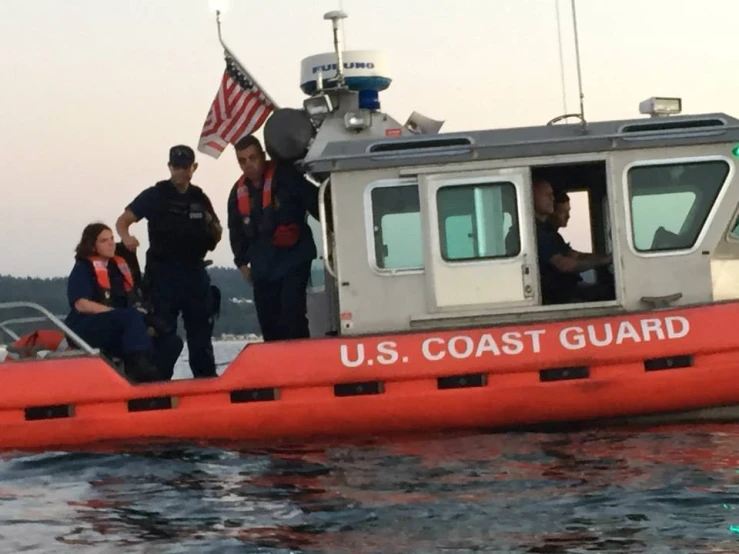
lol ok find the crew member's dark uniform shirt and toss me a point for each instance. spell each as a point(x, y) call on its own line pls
point(293, 195)
point(82, 284)
point(556, 285)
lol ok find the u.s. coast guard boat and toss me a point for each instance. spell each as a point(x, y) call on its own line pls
point(428, 318)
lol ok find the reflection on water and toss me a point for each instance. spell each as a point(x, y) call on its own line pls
point(664, 490)
point(670, 490)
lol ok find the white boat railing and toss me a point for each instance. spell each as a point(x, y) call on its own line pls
point(5, 325)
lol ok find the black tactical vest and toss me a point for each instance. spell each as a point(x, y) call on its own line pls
point(179, 231)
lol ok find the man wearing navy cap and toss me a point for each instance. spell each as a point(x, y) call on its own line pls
point(182, 227)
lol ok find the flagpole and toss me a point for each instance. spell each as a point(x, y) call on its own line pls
point(241, 65)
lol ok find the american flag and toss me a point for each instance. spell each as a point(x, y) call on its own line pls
point(239, 108)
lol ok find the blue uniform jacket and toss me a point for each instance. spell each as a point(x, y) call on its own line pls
point(294, 196)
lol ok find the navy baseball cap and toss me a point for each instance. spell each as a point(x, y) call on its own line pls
point(181, 156)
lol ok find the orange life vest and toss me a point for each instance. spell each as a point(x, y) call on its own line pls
point(284, 235)
point(242, 192)
point(100, 267)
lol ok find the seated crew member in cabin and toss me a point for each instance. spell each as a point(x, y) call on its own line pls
point(103, 303)
point(271, 241)
point(183, 228)
point(558, 220)
point(559, 264)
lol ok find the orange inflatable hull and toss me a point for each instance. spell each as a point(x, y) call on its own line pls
point(496, 377)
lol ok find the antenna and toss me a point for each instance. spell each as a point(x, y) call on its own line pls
point(581, 115)
point(579, 74)
point(335, 16)
point(343, 32)
point(561, 59)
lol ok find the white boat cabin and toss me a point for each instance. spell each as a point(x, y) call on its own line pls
point(416, 226)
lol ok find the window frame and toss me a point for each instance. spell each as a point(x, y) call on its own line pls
point(320, 259)
point(369, 231)
point(473, 186)
point(710, 216)
point(733, 223)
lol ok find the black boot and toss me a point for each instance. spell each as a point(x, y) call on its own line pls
point(140, 369)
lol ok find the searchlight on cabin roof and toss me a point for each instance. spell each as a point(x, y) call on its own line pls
point(318, 105)
point(357, 121)
point(657, 106)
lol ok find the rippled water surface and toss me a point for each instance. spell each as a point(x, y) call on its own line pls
point(660, 490)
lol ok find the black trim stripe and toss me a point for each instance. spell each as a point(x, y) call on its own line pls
point(55, 411)
point(462, 381)
point(359, 389)
point(563, 374)
point(241, 396)
point(670, 362)
point(151, 404)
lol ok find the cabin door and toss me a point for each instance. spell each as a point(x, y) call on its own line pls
point(677, 203)
point(480, 245)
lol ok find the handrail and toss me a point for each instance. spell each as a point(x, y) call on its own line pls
point(429, 152)
point(51, 317)
point(4, 325)
point(563, 117)
point(9, 332)
point(324, 226)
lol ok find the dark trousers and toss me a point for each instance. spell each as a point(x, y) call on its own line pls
point(281, 305)
point(185, 289)
point(593, 292)
point(167, 349)
point(579, 292)
point(122, 333)
point(119, 333)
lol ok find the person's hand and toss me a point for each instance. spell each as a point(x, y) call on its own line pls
point(246, 273)
point(208, 217)
point(131, 243)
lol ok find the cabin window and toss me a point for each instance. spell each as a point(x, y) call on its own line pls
point(396, 224)
point(670, 202)
point(478, 221)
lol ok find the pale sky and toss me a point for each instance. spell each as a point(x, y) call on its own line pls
point(94, 92)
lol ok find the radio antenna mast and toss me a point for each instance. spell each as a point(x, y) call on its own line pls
point(579, 73)
point(561, 59)
point(336, 16)
point(343, 32)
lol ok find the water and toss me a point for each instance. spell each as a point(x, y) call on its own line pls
point(664, 490)
point(224, 351)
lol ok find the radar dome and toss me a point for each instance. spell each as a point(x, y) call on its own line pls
point(363, 70)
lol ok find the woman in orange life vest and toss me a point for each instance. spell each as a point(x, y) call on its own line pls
point(103, 300)
point(271, 241)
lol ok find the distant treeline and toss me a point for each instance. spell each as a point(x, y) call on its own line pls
point(237, 310)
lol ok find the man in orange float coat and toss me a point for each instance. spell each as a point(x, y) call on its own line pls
point(271, 241)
